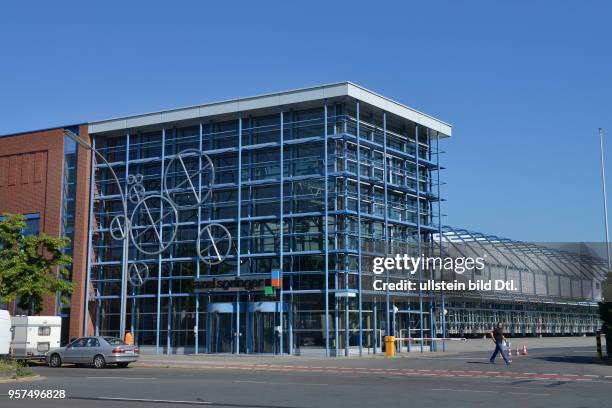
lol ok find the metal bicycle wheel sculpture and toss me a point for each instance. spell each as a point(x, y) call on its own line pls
point(214, 243)
point(187, 170)
point(119, 227)
point(153, 223)
point(138, 273)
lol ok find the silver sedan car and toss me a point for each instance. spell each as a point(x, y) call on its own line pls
point(99, 351)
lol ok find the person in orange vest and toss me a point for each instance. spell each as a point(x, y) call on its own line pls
point(129, 340)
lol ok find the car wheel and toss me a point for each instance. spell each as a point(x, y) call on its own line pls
point(99, 361)
point(55, 361)
point(122, 365)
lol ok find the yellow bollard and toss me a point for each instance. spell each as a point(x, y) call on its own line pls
point(390, 345)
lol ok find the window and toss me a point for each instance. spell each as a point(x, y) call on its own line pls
point(113, 341)
point(79, 343)
point(91, 342)
point(44, 331)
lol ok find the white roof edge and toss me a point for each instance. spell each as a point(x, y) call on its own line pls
point(270, 100)
point(399, 109)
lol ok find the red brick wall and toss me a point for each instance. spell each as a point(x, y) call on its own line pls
point(31, 169)
point(31, 181)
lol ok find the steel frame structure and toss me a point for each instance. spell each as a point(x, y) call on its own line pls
point(344, 137)
point(316, 190)
point(558, 289)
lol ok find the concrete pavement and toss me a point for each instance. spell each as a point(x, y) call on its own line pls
point(561, 376)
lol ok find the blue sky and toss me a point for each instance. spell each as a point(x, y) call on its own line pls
point(525, 84)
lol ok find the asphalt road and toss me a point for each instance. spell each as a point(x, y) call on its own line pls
point(558, 377)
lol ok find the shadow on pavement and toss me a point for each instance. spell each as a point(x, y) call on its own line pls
point(574, 359)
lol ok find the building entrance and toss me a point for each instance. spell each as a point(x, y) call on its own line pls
point(247, 328)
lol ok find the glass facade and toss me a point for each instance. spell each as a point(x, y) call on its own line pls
point(69, 181)
point(314, 191)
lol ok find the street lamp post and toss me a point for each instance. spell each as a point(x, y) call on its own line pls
point(607, 292)
point(605, 198)
point(126, 228)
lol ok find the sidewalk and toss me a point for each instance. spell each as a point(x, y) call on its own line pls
point(530, 342)
point(569, 359)
point(452, 348)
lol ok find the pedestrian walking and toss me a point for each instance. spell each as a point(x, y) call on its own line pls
point(497, 335)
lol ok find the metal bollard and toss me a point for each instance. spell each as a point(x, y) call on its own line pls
point(598, 341)
point(390, 346)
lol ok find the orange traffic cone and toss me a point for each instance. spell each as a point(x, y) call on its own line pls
point(524, 352)
point(517, 352)
point(509, 352)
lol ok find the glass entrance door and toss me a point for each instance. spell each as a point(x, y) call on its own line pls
point(265, 336)
point(226, 327)
point(265, 327)
point(246, 327)
point(222, 328)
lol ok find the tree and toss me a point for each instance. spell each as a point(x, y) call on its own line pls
point(28, 264)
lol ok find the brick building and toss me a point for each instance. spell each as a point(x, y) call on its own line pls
point(45, 176)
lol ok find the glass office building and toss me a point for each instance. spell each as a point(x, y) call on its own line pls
point(311, 183)
point(252, 225)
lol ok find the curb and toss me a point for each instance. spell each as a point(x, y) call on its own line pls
point(510, 375)
point(4, 380)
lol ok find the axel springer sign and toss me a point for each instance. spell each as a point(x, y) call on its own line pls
point(231, 283)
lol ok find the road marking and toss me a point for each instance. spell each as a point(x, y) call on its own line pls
point(452, 358)
point(154, 400)
point(463, 390)
point(122, 378)
point(529, 393)
point(489, 391)
point(404, 371)
point(278, 383)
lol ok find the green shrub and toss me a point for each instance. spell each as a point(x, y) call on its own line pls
point(14, 369)
point(22, 370)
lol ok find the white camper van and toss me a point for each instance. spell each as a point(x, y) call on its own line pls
point(33, 336)
point(5, 333)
